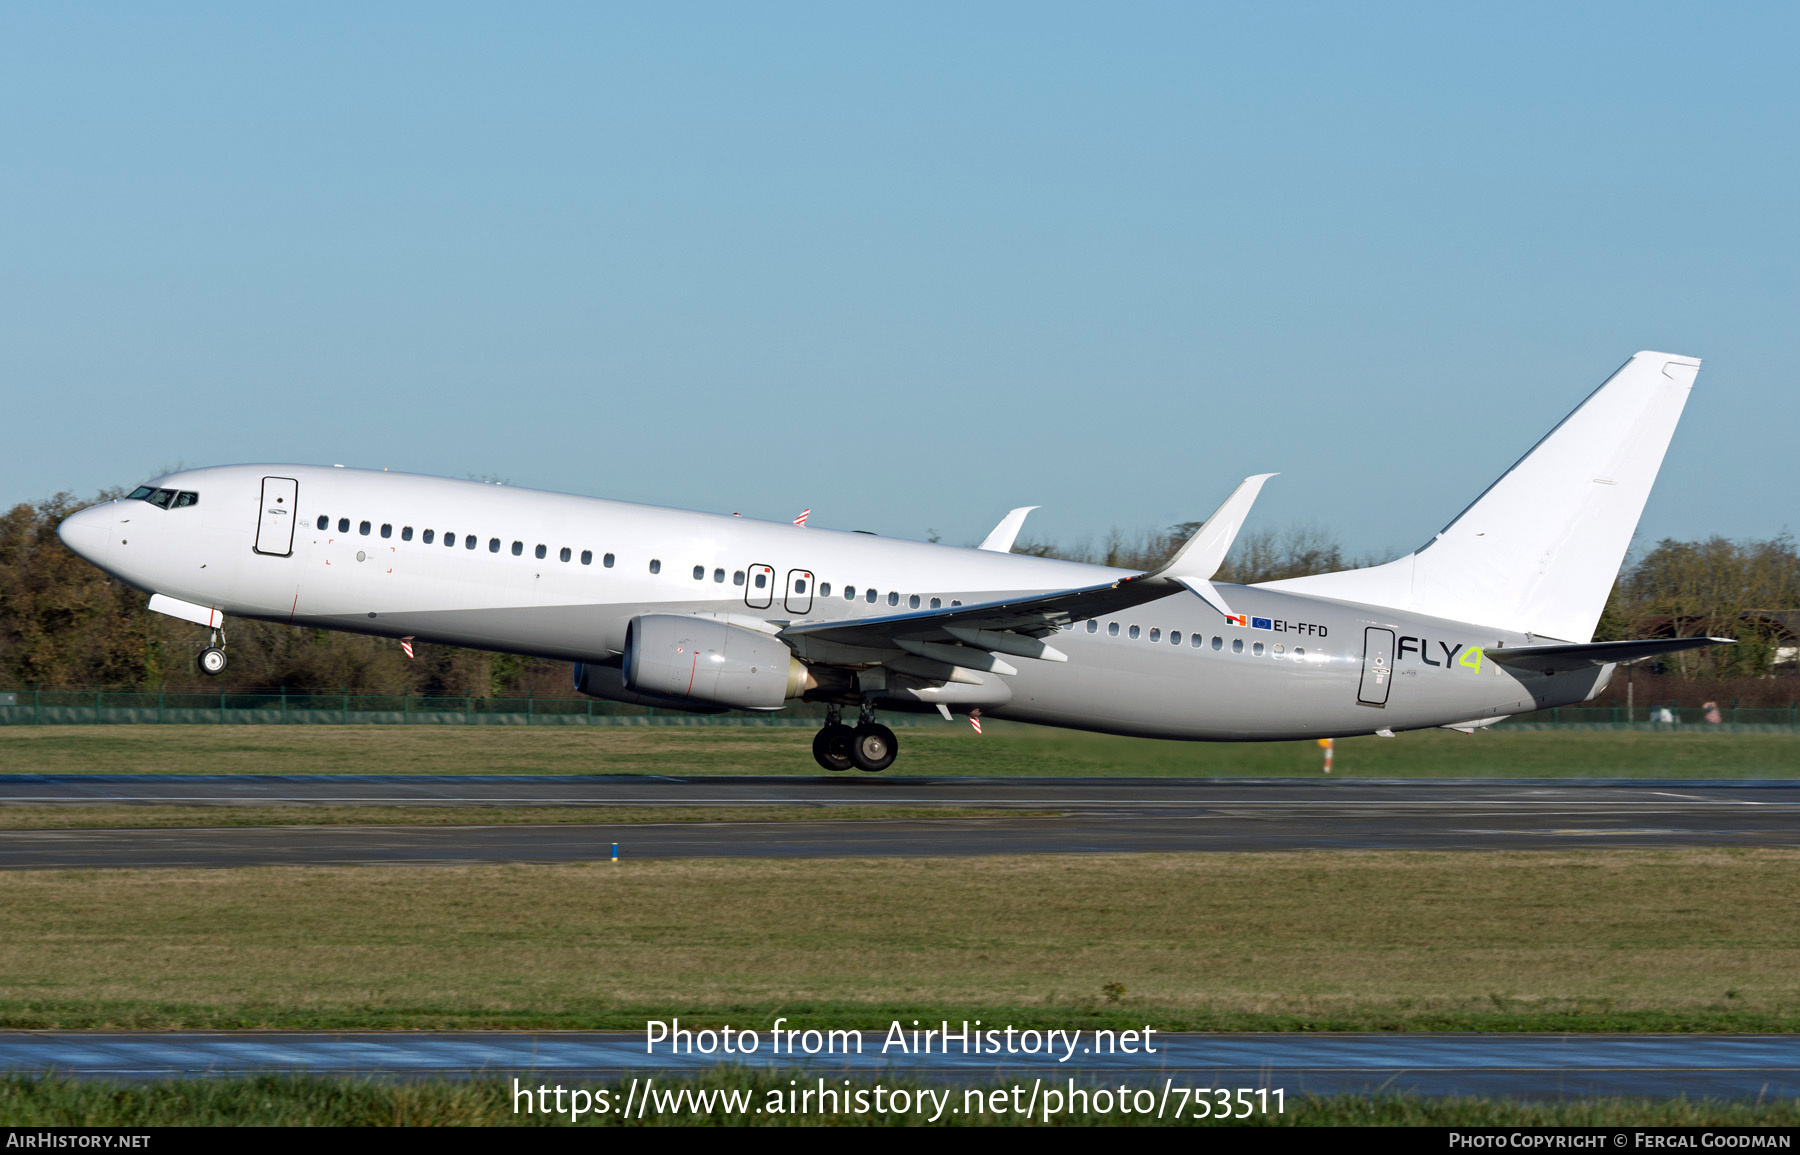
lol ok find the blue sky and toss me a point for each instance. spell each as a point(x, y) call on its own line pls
point(909, 267)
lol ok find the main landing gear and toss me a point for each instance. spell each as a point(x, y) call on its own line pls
point(870, 746)
point(212, 658)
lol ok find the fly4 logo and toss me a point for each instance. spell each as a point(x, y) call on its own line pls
point(1457, 655)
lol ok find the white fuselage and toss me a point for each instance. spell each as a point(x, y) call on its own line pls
point(458, 562)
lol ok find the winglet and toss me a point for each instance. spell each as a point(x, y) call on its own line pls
point(1194, 564)
point(1002, 538)
point(1205, 552)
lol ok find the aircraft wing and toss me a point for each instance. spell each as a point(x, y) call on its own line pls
point(1029, 615)
point(971, 636)
point(1574, 655)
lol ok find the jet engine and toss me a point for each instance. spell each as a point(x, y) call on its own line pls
point(607, 682)
point(709, 663)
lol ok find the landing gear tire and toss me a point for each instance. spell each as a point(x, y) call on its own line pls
point(212, 661)
point(873, 747)
point(831, 746)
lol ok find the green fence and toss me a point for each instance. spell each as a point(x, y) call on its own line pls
point(37, 707)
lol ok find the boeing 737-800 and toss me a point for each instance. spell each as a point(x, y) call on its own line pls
point(706, 612)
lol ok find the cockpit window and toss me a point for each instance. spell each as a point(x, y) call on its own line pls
point(164, 498)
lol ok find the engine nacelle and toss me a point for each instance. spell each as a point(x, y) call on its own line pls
point(705, 661)
point(608, 682)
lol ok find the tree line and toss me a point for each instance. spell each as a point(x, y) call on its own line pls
point(64, 624)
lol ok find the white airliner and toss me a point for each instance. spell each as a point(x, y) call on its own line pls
point(707, 612)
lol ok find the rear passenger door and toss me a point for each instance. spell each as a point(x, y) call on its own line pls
point(1378, 666)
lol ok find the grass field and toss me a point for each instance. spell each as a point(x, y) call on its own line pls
point(1617, 940)
point(299, 1101)
point(950, 751)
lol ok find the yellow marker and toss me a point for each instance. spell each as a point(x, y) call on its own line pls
point(1471, 658)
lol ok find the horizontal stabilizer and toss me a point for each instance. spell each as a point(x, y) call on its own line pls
point(1558, 659)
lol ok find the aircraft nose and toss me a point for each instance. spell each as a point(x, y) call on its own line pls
point(88, 532)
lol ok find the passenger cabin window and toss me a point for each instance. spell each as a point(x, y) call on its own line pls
point(799, 585)
point(587, 557)
point(494, 545)
point(1093, 626)
point(719, 576)
point(324, 522)
point(428, 536)
point(1217, 641)
point(469, 541)
point(699, 573)
point(913, 602)
point(406, 533)
point(518, 547)
point(565, 554)
point(1299, 653)
point(1134, 632)
point(449, 540)
point(1174, 637)
point(387, 530)
point(737, 578)
point(871, 596)
point(762, 580)
point(1237, 645)
point(1257, 650)
point(540, 553)
point(849, 593)
point(1112, 629)
point(1155, 634)
point(937, 603)
point(607, 561)
point(343, 525)
point(893, 598)
point(363, 529)
point(824, 589)
point(656, 567)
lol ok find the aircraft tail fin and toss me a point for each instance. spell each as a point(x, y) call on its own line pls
point(1539, 551)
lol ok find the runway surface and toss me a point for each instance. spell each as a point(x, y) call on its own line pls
point(1087, 815)
point(1518, 1066)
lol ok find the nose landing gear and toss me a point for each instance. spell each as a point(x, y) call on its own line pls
point(870, 746)
point(212, 658)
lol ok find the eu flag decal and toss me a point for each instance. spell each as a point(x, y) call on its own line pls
point(1261, 624)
